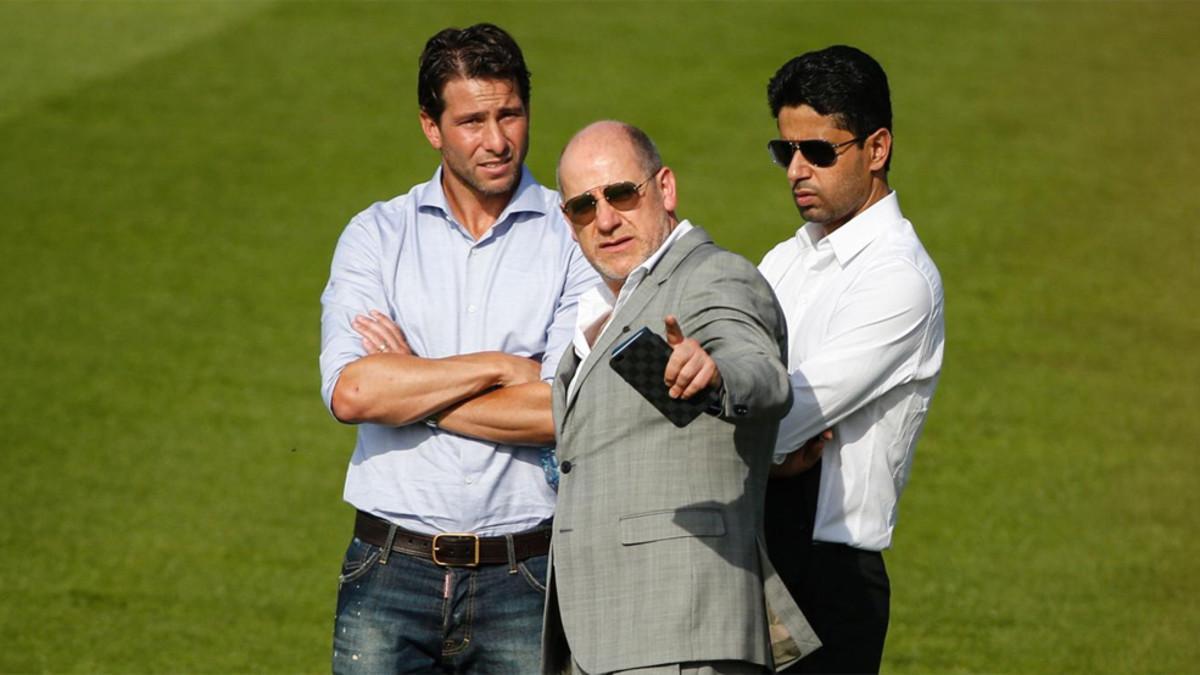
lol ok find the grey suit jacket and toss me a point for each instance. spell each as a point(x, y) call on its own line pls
point(657, 554)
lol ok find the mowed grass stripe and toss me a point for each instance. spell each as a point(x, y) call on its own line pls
point(50, 48)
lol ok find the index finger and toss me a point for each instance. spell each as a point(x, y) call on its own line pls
point(679, 358)
point(674, 331)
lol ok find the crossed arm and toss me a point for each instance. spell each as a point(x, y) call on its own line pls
point(493, 396)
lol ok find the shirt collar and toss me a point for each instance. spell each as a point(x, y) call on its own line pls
point(595, 304)
point(851, 238)
point(525, 198)
point(648, 264)
point(601, 293)
point(599, 302)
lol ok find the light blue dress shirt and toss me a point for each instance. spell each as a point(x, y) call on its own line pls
point(514, 290)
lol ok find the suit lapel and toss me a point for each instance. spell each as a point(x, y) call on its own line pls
point(568, 365)
point(622, 321)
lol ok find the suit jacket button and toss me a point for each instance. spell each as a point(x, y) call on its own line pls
point(740, 409)
point(565, 467)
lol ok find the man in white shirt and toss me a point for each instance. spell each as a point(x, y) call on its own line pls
point(863, 302)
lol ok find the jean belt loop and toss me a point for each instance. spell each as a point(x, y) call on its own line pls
point(387, 544)
point(512, 554)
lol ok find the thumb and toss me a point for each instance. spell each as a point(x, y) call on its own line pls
point(674, 332)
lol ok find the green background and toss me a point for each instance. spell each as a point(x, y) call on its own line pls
point(173, 178)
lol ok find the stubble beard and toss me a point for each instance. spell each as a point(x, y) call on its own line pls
point(483, 188)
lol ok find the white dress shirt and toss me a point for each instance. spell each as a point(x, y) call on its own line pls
point(865, 337)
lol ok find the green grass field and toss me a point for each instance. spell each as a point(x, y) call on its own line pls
point(173, 177)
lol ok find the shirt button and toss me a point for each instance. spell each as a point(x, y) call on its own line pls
point(740, 409)
point(565, 467)
point(471, 309)
point(470, 480)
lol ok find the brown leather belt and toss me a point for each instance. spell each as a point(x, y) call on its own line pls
point(452, 549)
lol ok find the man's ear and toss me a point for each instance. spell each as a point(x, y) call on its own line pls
point(665, 179)
point(879, 147)
point(432, 132)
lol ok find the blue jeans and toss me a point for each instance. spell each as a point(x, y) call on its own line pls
point(408, 615)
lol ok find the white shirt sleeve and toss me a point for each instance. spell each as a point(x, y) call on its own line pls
point(873, 342)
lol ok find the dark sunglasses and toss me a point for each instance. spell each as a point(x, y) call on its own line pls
point(816, 152)
point(581, 209)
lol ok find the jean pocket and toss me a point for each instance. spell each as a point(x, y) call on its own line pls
point(537, 583)
point(360, 559)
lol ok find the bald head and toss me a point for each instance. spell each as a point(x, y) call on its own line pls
point(611, 137)
point(623, 198)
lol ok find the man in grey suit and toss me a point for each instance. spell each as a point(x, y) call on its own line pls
point(657, 555)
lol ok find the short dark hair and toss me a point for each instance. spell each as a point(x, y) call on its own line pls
point(482, 51)
point(841, 81)
point(644, 149)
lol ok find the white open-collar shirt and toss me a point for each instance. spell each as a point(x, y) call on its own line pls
point(599, 303)
point(865, 339)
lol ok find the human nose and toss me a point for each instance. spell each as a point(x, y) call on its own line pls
point(607, 218)
point(799, 168)
point(494, 140)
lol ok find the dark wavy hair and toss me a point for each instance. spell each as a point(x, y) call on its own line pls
point(841, 81)
point(482, 51)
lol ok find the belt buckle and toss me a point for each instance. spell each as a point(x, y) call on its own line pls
point(457, 535)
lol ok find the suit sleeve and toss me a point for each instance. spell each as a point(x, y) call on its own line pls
point(731, 311)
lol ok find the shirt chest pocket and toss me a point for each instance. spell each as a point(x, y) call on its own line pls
point(640, 528)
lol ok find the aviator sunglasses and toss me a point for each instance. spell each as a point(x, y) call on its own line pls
point(816, 152)
point(581, 209)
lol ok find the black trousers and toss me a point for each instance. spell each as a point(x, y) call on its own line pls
point(843, 591)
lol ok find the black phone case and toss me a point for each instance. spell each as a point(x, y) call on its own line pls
point(641, 359)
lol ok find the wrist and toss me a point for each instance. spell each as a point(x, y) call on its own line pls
point(716, 399)
point(496, 370)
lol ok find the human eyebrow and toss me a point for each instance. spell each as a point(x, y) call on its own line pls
point(470, 118)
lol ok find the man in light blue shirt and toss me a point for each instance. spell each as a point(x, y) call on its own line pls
point(445, 315)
